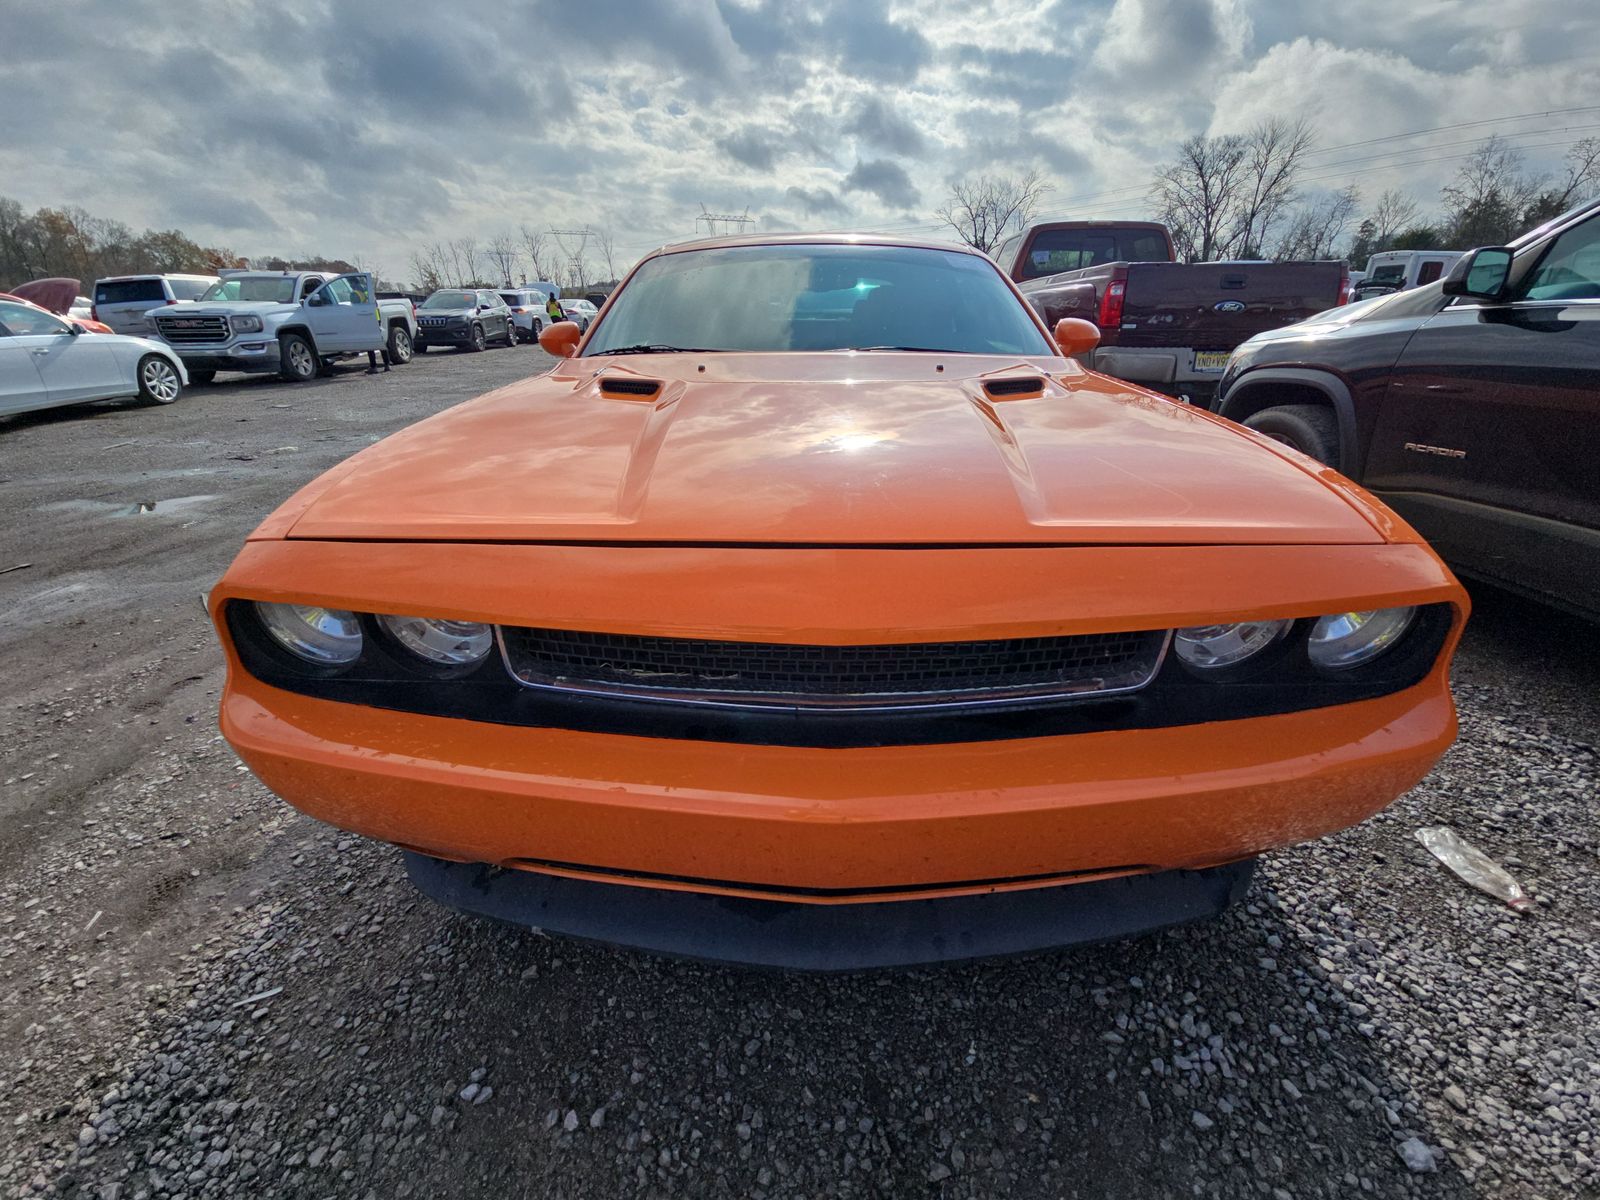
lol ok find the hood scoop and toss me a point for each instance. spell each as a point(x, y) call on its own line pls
point(1014, 387)
point(625, 387)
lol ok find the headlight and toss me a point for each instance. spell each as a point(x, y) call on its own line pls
point(1210, 647)
point(325, 636)
point(447, 643)
point(1349, 639)
point(245, 324)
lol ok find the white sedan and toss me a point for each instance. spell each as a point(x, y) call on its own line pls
point(580, 312)
point(45, 361)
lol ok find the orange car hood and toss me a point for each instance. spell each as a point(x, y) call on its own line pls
point(830, 449)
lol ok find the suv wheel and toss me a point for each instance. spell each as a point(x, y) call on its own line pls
point(1310, 428)
point(399, 344)
point(297, 361)
point(478, 341)
point(158, 380)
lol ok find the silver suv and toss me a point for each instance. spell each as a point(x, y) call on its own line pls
point(121, 301)
point(527, 311)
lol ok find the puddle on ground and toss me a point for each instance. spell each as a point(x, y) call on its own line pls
point(139, 508)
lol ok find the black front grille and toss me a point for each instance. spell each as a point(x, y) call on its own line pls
point(690, 670)
point(181, 331)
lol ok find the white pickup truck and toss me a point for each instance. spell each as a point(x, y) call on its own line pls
point(296, 323)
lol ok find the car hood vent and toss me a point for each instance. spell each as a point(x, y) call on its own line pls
point(1016, 385)
point(612, 386)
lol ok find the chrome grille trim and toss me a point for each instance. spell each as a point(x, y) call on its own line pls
point(186, 331)
point(763, 675)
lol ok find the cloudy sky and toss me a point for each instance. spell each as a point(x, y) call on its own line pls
point(358, 128)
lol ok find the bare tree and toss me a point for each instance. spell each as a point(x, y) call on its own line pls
point(1274, 153)
point(985, 210)
point(1583, 172)
point(1395, 210)
point(536, 249)
point(602, 239)
point(463, 258)
point(1318, 230)
point(1222, 196)
point(1197, 194)
point(430, 267)
point(1580, 181)
point(1491, 196)
point(503, 257)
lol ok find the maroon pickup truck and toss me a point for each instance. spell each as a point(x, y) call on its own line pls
point(1163, 324)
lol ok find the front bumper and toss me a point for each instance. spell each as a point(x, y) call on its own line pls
point(260, 355)
point(844, 937)
point(868, 826)
point(815, 825)
point(444, 335)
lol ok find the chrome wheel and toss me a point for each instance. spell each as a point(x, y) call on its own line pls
point(158, 381)
point(301, 361)
point(399, 345)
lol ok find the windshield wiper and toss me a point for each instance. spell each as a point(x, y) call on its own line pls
point(907, 349)
point(654, 348)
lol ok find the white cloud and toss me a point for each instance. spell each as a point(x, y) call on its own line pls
point(360, 129)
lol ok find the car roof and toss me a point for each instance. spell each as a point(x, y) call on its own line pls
point(153, 275)
point(813, 239)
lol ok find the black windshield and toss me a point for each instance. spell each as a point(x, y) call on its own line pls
point(819, 297)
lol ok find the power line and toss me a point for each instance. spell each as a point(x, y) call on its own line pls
point(1132, 192)
point(1122, 192)
point(1553, 112)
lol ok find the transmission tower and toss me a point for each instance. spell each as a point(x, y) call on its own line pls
point(574, 257)
point(727, 220)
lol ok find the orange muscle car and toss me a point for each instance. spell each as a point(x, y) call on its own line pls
point(819, 610)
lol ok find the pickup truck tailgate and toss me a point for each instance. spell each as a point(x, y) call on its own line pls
point(1215, 306)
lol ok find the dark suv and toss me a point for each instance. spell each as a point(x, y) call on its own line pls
point(1471, 405)
point(467, 318)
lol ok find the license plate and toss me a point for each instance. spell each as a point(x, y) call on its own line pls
point(1210, 360)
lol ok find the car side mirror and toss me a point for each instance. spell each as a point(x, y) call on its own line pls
point(1076, 336)
point(316, 300)
point(560, 339)
point(1482, 273)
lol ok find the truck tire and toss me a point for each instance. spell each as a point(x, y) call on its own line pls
point(1310, 428)
point(297, 359)
point(158, 380)
point(478, 342)
point(202, 377)
point(399, 344)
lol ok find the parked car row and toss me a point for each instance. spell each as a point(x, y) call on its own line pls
point(296, 324)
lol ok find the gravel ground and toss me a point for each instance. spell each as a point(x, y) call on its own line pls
point(204, 994)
